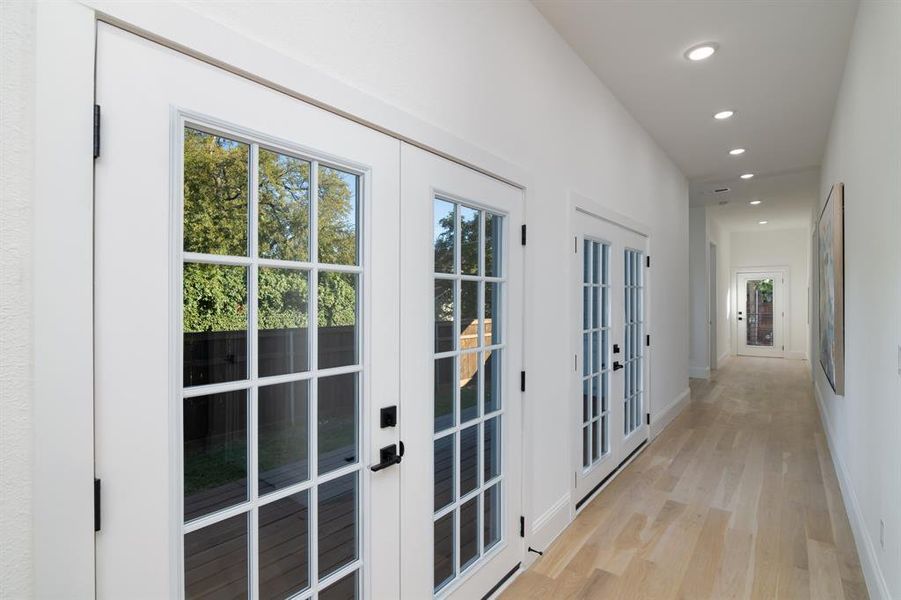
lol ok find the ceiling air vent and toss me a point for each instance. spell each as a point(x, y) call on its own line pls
point(720, 190)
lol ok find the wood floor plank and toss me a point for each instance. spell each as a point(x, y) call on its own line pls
point(736, 499)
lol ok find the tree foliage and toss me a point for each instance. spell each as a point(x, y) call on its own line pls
point(216, 216)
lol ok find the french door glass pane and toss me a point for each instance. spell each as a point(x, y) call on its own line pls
point(345, 588)
point(444, 315)
point(444, 236)
point(270, 332)
point(493, 257)
point(338, 197)
point(444, 471)
point(633, 392)
point(215, 452)
point(491, 532)
point(216, 560)
point(491, 380)
point(444, 393)
point(444, 549)
point(337, 329)
point(284, 207)
point(595, 349)
point(469, 532)
point(283, 435)
point(338, 504)
point(216, 185)
point(283, 321)
point(284, 546)
point(214, 323)
point(338, 429)
point(469, 240)
point(469, 413)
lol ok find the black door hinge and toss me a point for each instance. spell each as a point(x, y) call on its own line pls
point(648, 261)
point(647, 340)
point(522, 381)
point(522, 527)
point(96, 130)
point(648, 415)
point(523, 235)
point(96, 504)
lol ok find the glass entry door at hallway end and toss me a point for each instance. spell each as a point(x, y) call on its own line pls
point(759, 314)
point(610, 387)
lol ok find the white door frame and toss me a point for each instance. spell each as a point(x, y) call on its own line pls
point(579, 203)
point(63, 398)
point(785, 300)
point(712, 318)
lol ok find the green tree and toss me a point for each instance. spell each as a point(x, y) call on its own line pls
point(216, 184)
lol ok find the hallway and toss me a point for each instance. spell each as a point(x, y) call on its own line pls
point(737, 498)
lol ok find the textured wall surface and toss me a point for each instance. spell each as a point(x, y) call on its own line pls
point(17, 37)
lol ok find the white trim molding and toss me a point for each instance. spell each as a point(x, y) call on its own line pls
point(548, 526)
point(63, 527)
point(722, 358)
point(661, 420)
point(866, 548)
point(699, 372)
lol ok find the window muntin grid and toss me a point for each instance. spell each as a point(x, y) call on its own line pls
point(468, 351)
point(633, 363)
point(305, 482)
point(595, 351)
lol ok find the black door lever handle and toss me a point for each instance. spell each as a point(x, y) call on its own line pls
point(616, 365)
point(388, 456)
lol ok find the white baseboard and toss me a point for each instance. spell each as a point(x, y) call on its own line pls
point(872, 572)
point(796, 356)
point(722, 358)
point(660, 420)
point(548, 526)
point(699, 372)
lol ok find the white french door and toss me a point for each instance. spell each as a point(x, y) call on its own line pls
point(610, 388)
point(461, 306)
point(246, 337)
point(293, 374)
point(759, 313)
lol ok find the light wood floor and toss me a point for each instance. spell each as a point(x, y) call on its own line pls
point(737, 498)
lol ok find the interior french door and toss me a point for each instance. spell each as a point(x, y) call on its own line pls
point(461, 301)
point(247, 251)
point(610, 390)
point(293, 375)
point(759, 314)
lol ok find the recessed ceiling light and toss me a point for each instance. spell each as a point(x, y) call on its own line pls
point(754, 202)
point(737, 151)
point(762, 222)
point(723, 114)
point(701, 51)
point(747, 176)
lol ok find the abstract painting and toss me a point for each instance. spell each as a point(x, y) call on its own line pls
point(831, 267)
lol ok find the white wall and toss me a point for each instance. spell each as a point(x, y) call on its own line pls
point(864, 152)
point(17, 46)
point(782, 247)
point(704, 230)
point(497, 75)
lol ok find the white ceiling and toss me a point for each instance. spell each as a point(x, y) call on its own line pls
point(779, 66)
